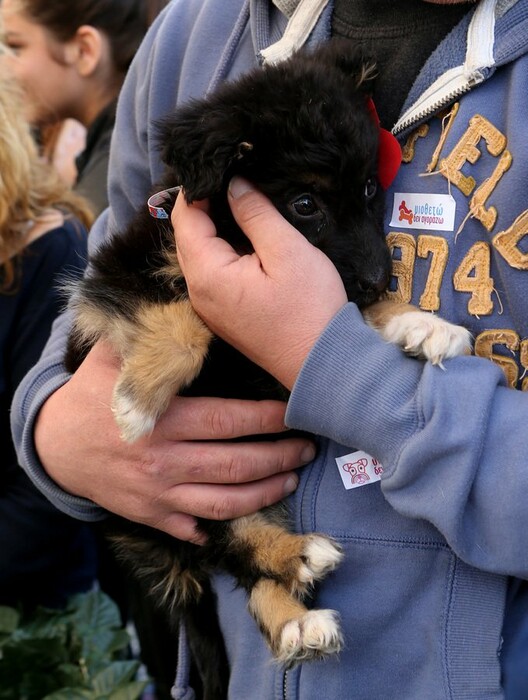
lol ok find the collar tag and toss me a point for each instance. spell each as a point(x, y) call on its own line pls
point(358, 469)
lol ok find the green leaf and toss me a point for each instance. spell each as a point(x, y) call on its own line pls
point(119, 641)
point(95, 610)
point(71, 674)
point(96, 651)
point(57, 654)
point(30, 668)
point(131, 691)
point(113, 676)
point(97, 629)
point(72, 694)
point(9, 619)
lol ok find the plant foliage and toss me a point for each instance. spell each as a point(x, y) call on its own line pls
point(73, 654)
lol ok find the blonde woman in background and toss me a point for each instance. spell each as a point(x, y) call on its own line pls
point(71, 57)
point(45, 556)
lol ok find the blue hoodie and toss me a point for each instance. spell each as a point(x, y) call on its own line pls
point(432, 591)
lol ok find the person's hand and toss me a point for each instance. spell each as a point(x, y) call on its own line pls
point(271, 305)
point(182, 470)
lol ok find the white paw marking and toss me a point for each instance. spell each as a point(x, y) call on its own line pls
point(315, 634)
point(321, 556)
point(427, 336)
point(133, 423)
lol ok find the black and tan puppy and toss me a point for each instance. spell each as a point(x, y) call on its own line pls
point(306, 134)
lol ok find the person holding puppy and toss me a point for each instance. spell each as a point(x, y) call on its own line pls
point(432, 591)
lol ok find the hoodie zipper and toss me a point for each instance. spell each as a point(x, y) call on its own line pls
point(461, 79)
point(443, 92)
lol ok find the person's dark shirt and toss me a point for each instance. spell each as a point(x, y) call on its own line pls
point(92, 162)
point(45, 556)
point(400, 36)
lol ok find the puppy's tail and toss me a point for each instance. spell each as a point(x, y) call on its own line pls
point(164, 566)
point(170, 571)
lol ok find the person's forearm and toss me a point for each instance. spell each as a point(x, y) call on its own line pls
point(47, 376)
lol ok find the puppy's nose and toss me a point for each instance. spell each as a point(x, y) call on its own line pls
point(373, 284)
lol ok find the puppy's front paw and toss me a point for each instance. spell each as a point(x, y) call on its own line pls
point(132, 419)
point(315, 634)
point(320, 556)
point(425, 335)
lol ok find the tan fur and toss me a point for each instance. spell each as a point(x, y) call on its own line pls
point(165, 355)
point(176, 588)
point(91, 324)
point(272, 606)
point(162, 350)
point(170, 346)
point(419, 333)
point(368, 72)
point(274, 549)
point(379, 314)
point(170, 273)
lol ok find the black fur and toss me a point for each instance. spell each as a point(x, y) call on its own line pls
point(302, 132)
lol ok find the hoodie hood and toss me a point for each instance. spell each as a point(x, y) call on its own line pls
point(486, 38)
point(489, 36)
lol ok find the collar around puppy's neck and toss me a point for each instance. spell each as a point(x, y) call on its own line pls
point(156, 201)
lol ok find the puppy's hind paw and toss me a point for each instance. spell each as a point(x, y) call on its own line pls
point(316, 634)
point(427, 336)
point(133, 422)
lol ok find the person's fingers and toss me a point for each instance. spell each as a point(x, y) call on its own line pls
point(217, 503)
point(191, 418)
point(202, 204)
point(226, 502)
point(182, 526)
point(233, 463)
point(262, 223)
point(195, 233)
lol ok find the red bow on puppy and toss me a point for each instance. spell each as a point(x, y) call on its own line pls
point(389, 154)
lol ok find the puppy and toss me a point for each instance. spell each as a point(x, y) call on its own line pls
point(306, 134)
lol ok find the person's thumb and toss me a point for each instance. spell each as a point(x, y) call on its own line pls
point(266, 228)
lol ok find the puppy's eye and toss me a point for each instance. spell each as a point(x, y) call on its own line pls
point(305, 205)
point(371, 187)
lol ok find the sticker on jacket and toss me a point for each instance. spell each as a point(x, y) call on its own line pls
point(358, 469)
point(430, 212)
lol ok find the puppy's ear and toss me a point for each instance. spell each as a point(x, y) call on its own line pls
point(199, 144)
point(358, 68)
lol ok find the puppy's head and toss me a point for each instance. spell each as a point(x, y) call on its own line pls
point(304, 132)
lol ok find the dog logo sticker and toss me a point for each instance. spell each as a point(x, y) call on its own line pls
point(427, 212)
point(358, 469)
point(405, 214)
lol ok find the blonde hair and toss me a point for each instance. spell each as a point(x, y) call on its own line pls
point(29, 187)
